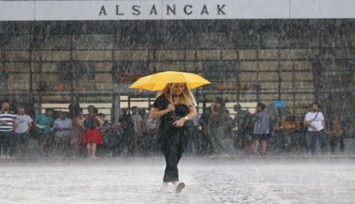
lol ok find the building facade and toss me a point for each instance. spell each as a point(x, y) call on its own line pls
point(247, 60)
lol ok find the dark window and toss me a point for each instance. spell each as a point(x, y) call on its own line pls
point(129, 71)
point(76, 71)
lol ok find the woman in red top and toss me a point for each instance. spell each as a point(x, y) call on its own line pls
point(92, 134)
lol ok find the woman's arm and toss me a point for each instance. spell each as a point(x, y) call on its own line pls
point(81, 122)
point(156, 113)
point(101, 122)
point(192, 113)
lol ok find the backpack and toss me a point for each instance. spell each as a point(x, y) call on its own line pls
point(91, 122)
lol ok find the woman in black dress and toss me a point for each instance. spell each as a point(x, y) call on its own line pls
point(176, 107)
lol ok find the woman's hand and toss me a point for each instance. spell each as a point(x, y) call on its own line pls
point(179, 123)
point(170, 108)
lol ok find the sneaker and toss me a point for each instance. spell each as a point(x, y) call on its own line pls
point(165, 188)
point(179, 187)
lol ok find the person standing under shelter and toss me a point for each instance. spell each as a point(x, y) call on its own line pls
point(336, 130)
point(63, 131)
point(43, 129)
point(152, 126)
point(22, 131)
point(217, 121)
point(289, 127)
point(261, 131)
point(78, 148)
point(92, 134)
point(7, 126)
point(127, 125)
point(244, 124)
point(314, 120)
point(138, 128)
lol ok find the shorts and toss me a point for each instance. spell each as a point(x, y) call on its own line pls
point(61, 138)
point(22, 138)
point(260, 137)
point(6, 138)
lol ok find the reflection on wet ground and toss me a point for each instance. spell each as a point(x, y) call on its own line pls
point(209, 180)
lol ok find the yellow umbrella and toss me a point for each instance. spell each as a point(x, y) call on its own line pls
point(158, 81)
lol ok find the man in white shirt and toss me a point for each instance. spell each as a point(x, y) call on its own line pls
point(22, 131)
point(314, 120)
point(63, 129)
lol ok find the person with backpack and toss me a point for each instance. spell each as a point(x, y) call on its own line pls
point(92, 134)
point(314, 120)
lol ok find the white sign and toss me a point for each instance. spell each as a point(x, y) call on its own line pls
point(58, 10)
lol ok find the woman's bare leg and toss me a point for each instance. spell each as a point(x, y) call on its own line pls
point(264, 146)
point(88, 148)
point(93, 149)
point(67, 145)
point(256, 146)
point(56, 145)
point(42, 147)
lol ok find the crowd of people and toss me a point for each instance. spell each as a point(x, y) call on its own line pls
point(59, 133)
point(313, 134)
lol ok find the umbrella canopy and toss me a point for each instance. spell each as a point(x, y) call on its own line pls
point(158, 81)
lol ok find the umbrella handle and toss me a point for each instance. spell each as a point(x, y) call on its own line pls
point(139, 91)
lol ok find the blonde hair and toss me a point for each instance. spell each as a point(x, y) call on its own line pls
point(187, 97)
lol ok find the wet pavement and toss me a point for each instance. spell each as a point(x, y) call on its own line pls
point(208, 180)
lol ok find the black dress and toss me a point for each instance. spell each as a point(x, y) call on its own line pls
point(173, 140)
